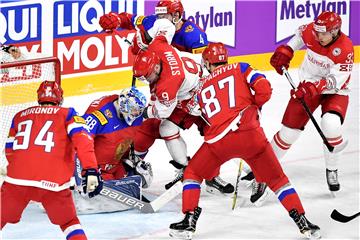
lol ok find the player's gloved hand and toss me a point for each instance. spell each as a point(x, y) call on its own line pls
point(308, 89)
point(144, 170)
point(92, 182)
point(281, 57)
point(110, 21)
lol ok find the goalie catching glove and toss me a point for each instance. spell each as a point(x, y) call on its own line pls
point(92, 182)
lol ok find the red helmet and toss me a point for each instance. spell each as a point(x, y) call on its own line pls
point(215, 53)
point(144, 64)
point(327, 22)
point(169, 6)
point(50, 92)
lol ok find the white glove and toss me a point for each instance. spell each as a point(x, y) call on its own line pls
point(92, 182)
point(144, 170)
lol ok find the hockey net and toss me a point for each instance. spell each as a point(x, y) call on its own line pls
point(19, 81)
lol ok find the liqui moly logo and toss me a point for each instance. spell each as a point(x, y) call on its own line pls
point(290, 14)
point(217, 18)
point(69, 30)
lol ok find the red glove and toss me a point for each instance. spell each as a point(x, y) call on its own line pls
point(281, 57)
point(110, 21)
point(308, 89)
point(263, 90)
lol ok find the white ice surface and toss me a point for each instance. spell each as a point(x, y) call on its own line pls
point(304, 165)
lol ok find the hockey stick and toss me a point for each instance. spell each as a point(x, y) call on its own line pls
point(237, 184)
point(144, 207)
point(342, 218)
point(133, 81)
point(307, 110)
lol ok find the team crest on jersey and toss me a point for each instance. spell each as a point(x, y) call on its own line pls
point(189, 28)
point(336, 52)
point(79, 119)
point(99, 115)
point(108, 113)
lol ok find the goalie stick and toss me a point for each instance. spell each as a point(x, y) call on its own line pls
point(144, 207)
point(331, 148)
point(342, 218)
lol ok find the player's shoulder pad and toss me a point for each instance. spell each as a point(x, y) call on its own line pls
point(100, 116)
point(147, 21)
point(71, 113)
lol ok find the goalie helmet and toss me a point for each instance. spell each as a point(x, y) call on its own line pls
point(144, 66)
point(50, 92)
point(215, 53)
point(132, 103)
point(327, 22)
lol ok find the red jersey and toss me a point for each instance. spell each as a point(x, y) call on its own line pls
point(226, 92)
point(41, 147)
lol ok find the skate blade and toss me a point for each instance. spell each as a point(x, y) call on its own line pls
point(312, 235)
point(262, 199)
point(215, 191)
point(181, 234)
point(333, 194)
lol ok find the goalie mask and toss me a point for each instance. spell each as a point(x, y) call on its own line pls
point(50, 92)
point(132, 103)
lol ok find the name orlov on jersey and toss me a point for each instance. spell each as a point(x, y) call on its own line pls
point(291, 14)
point(213, 17)
point(68, 30)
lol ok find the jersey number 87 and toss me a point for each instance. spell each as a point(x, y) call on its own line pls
point(211, 103)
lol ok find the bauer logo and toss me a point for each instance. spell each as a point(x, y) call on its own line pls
point(20, 23)
point(213, 17)
point(291, 14)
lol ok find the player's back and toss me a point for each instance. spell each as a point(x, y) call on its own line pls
point(42, 150)
point(224, 94)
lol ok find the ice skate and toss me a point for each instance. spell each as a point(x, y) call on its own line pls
point(332, 180)
point(218, 185)
point(309, 230)
point(185, 228)
point(259, 194)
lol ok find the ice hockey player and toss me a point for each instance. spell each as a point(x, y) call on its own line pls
point(324, 77)
point(113, 122)
point(40, 153)
point(167, 20)
point(229, 106)
point(180, 33)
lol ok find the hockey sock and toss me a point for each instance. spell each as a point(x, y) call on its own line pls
point(191, 196)
point(289, 198)
point(73, 230)
point(279, 146)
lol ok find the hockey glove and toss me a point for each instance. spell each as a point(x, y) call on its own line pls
point(281, 57)
point(144, 170)
point(110, 21)
point(92, 182)
point(309, 89)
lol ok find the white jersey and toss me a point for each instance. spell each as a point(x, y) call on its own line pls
point(333, 63)
point(179, 78)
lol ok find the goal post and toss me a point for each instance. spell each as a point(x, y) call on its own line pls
point(19, 81)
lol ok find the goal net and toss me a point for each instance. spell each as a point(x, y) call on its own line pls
point(19, 81)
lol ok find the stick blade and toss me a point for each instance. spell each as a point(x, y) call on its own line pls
point(337, 216)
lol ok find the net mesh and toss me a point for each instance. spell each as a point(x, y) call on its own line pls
point(19, 81)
